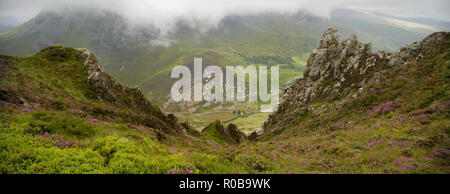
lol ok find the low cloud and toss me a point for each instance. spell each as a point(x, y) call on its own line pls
point(205, 14)
point(213, 10)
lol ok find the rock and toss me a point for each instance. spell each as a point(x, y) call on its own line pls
point(231, 134)
point(253, 136)
point(337, 85)
point(235, 134)
point(107, 89)
point(336, 69)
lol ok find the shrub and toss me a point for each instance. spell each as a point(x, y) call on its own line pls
point(75, 127)
point(124, 156)
point(58, 53)
point(22, 154)
point(41, 122)
point(253, 161)
point(211, 164)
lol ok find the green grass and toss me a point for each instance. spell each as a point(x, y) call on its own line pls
point(49, 124)
point(112, 148)
point(250, 123)
point(55, 127)
point(200, 120)
point(410, 137)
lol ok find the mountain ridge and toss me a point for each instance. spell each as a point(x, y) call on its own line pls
point(127, 52)
point(99, 85)
point(61, 113)
point(338, 68)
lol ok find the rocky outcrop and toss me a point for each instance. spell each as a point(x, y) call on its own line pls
point(217, 132)
point(337, 69)
point(107, 89)
point(234, 133)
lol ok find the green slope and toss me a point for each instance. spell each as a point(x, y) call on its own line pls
point(397, 125)
point(237, 40)
point(50, 124)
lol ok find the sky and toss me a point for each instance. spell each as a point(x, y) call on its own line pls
point(212, 11)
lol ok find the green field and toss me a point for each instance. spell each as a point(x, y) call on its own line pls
point(200, 120)
point(250, 123)
point(246, 123)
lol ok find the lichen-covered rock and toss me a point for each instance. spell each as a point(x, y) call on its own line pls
point(336, 69)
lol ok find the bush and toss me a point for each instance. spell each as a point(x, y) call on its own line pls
point(41, 122)
point(58, 53)
point(253, 161)
point(125, 156)
point(75, 127)
point(21, 154)
point(211, 164)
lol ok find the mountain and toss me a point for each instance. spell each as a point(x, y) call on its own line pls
point(360, 111)
point(63, 78)
point(355, 111)
point(61, 113)
point(338, 69)
point(5, 27)
point(141, 55)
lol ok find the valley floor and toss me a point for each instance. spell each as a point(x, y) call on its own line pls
point(247, 123)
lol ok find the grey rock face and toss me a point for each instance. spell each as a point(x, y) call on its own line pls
point(336, 69)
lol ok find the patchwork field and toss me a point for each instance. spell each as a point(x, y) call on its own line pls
point(250, 123)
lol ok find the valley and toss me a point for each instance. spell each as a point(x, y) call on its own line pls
point(247, 123)
point(68, 116)
point(145, 59)
point(87, 91)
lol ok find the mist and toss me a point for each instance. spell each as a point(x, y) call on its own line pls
point(204, 15)
point(164, 12)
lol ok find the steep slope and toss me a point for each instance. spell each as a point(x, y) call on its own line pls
point(63, 78)
point(61, 113)
point(336, 69)
point(357, 111)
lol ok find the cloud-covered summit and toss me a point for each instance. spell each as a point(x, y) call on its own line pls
point(165, 12)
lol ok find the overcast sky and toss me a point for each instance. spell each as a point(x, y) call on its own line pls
point(211, 11)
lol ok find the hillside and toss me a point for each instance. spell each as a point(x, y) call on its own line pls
point(139, 55)
point(60, 110)
point(63, 78)
point(60, 113)
point(360, 111)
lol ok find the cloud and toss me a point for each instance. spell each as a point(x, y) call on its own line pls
point(213, 10)
point(204, 14)
point(436, 9)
